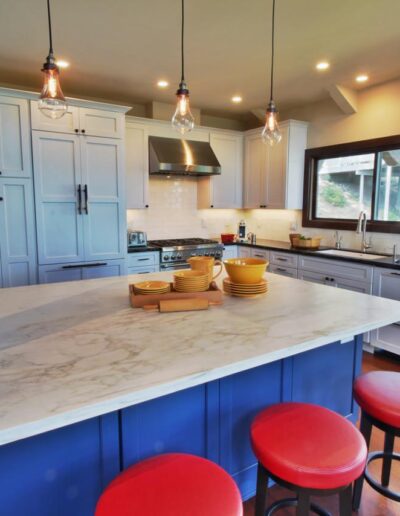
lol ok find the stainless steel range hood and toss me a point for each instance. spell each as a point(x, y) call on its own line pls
point(170, 156)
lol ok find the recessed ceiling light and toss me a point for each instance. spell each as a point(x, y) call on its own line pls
point(62, 64)
point(362, 78)
point(322, 65)
point(236, 99)
point(162, 83)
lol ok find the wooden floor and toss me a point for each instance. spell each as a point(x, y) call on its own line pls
point(372, 503)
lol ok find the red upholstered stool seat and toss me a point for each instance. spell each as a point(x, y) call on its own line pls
point(308, 445)
point(172, 485)
point(378, 394)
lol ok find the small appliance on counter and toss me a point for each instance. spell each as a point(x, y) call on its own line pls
point(136, 239)
point(242, 231)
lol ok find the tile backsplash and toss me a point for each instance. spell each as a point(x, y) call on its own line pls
point(173, 213)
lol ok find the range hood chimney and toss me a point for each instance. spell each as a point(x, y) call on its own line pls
point(172, 156)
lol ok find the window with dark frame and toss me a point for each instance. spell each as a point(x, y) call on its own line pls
point(342, 180)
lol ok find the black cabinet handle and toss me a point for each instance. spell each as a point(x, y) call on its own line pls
point(395, 273)
point(281, 269)
point(84, 265)
point(281, 259)
point(85, 191)
point(80, 199)
point(143, 259)
point(0, 172)
point(1, 199)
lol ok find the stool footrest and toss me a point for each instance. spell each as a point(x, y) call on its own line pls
point(385, 491)
point(292, 502)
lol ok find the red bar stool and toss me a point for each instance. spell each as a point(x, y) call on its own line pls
point(173, 484)
point(378, 394)
point(310, 450)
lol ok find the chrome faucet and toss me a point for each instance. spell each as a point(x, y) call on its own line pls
point(362, 229)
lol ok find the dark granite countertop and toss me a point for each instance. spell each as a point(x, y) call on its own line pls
point(276, 245)
point(142, 249)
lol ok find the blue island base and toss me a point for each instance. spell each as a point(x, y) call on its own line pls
point(63, 472)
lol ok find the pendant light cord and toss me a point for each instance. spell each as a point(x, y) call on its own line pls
point(50, 31)
point(272, 49)
point(182, 42)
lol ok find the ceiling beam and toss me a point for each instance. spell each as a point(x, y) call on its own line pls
point(345, 98)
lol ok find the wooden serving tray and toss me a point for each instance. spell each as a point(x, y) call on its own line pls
point(213, 294)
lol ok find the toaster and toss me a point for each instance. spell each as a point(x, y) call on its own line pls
point(137, 239)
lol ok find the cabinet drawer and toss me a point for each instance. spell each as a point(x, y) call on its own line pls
point(291, 272)
point(260, 253)
point(336, 281)
point(334, 268)
point(285, 259)
point(143, 270)
point(143, 259)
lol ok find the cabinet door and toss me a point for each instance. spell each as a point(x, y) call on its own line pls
point(137, 166)
point(230, 251)
point(17, 233)
point(15, 147)
point(57, 173)
point(59, 273)
point(97, 122)
point(254, 171)
point(275, 176)
point(226, 189)
point(104, 270)
point(103, 207)
point(68, 123)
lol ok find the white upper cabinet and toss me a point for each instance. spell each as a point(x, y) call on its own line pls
point(137, 165)
point(15, 146)
point(80, 120)
point(225, 190)
point(273, 176)
point(17, 233)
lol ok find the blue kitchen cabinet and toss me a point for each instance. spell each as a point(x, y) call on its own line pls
point(17, 233)
point(62, 472)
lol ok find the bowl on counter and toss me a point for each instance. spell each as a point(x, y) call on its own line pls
point(246, 270)
point(227, 238)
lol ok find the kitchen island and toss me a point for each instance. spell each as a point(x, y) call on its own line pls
point(89, 385)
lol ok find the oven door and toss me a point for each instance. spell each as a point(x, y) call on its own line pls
point(173, 266)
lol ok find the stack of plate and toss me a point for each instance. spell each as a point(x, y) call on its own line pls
point(245, 289)
point(191, 281)
point(152, 287)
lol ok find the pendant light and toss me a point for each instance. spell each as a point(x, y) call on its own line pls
point(183, 120)
point(52, 101)
point(271, 133)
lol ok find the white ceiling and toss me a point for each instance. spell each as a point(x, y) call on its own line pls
point(118, 49)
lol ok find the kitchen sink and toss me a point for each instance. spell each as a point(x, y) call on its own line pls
point(352, 254)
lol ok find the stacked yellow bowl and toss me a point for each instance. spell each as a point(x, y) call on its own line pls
point(191, 281)
point(152, 287)
point(245, 277)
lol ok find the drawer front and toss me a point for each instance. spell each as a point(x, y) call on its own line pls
point(333, 268)
point(143, 270)
point(260, 253)
point(284, 259)
point(347, 284)
point(244, 252)
point(143, 259)
point(291, 272)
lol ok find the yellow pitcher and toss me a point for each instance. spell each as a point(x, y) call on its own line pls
point(205, 264)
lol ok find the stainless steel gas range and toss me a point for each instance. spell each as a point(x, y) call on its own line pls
point(174, 253)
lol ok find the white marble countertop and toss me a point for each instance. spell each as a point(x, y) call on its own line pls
point(71, 351)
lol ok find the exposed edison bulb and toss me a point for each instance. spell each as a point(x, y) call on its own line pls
point(271, 133)
point(52, 101)
point(183, 120)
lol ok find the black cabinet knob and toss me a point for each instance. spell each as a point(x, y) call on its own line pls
point(77, 130)
point(1, 199)
point(0, 172)
point(146, 206)
point(83, 131)
point(212, 206)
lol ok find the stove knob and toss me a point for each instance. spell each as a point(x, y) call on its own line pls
point(206, 254)
point(179, 257)
point(173, 257)
point(166, 258)
point(212, 253)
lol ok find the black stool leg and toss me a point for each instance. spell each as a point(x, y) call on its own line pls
point(365, 428)
point(387, 461)
point(261, 493)
point(303, 506)
point(345, 501)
